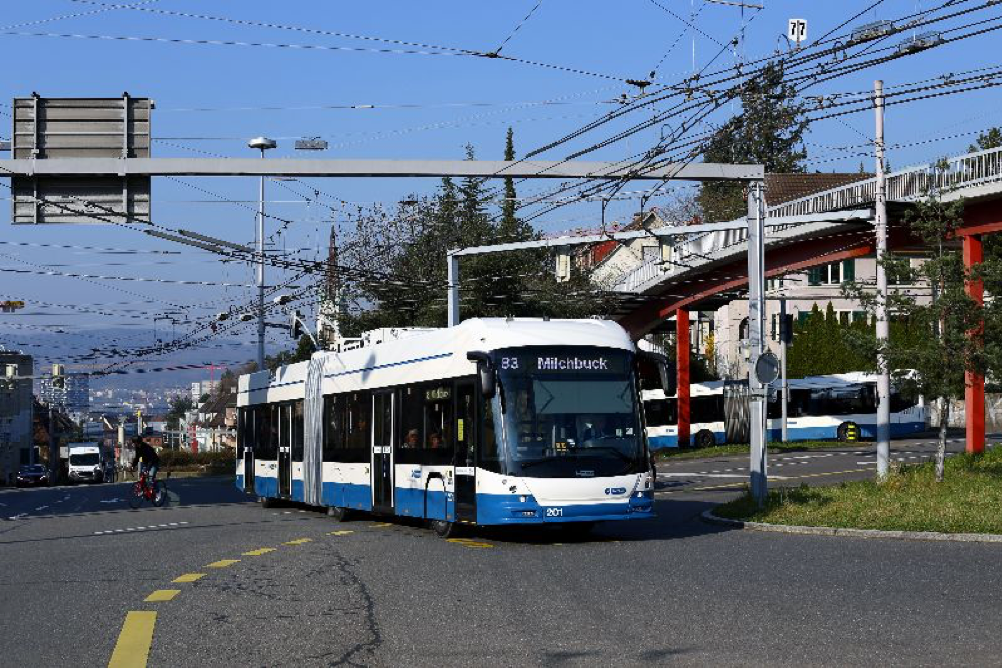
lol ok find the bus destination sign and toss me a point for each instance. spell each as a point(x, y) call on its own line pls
point(589, 362)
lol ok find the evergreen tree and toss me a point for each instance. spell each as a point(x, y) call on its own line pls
point(932, 358)
point(768, 131)
point(990, 138)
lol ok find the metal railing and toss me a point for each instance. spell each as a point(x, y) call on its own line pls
point(907, 185)
point(965, 171)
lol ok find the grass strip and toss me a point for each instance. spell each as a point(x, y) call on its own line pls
point(744, 449)
point(969, 500)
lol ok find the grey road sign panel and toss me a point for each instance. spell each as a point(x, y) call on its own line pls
point(60, 129)
point(94, 199)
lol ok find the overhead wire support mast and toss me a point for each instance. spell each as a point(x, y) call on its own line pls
point(882, 326)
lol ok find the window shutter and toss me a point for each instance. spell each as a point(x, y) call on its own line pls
point(814, 275)
point(848, 270)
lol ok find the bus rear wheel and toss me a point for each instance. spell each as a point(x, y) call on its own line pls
point(705, 439)
point(266, 501)
point(338, 514)
point(444, 529)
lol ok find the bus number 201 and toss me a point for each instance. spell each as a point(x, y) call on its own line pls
point(554, 512)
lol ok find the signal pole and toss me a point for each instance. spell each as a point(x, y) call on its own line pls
point(883, 373)
point(784, 336)
point(756, 328)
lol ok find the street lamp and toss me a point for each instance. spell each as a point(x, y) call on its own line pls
point(262, 144)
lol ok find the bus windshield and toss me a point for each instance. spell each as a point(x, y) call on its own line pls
point(570, 412)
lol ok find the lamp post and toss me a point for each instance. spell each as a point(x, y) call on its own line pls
point(263, 144)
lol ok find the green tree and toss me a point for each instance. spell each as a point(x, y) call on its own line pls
point(399, 272)
point(178, 406)
point(768, 131)
point(933, 358)
point(990, 138)
point(301, 353)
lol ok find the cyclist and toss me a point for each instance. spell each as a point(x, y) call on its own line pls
point(147, 458)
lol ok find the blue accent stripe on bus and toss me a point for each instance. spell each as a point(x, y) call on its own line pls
point(387, 366)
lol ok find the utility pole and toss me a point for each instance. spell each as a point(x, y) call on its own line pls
point(53, 447)
point(453, 282)
point(262, 143)
point(884, 374)
point(784, 397)
point(756, 329)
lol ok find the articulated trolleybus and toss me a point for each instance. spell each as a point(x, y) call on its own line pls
point(491, 422)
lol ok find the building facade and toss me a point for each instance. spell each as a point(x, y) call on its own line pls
point(16, 413)
point(70, 392)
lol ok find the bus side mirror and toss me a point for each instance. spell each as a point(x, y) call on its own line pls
point(666, 371)
point(488, 377)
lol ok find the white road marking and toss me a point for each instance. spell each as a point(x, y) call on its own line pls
point(41, 508)
point(713, 475)
point(18, 516)
point(155, 527)
point(111, 501)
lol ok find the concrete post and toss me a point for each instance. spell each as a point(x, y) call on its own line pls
point(756, 341)
point(453, 296)
point(882, 327)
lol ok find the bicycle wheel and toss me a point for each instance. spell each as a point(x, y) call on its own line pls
point(135, 495)
point(160, 495)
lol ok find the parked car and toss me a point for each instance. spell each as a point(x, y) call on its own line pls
point(32, 475)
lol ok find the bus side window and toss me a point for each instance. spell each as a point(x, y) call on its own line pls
point(410, 433)
point(489, 457)
point(333, 432)
point(297, 431)
point(358, 427)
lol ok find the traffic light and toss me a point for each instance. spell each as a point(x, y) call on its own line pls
point(786, 328)
point(296, 325)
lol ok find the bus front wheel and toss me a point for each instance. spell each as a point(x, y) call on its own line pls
point(266, 501)
point(705, 439)
point(444, 529)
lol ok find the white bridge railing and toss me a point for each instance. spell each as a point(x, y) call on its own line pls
point(907, 185)
point(965, 171)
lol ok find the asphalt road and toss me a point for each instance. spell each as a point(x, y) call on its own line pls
point(302, 590)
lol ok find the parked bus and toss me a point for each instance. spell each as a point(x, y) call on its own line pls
point(820, 408)
point(492, 422)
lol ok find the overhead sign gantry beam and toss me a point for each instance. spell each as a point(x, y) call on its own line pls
point(147, 167)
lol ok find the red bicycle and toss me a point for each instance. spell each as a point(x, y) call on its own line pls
point(142, 489)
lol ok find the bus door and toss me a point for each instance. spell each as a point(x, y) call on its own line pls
point(246, 437)
point(466, 438)
point(284, 450)
point(248, 469)
point(382, 451)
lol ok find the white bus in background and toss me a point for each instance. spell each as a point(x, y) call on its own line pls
point(820, 408)
point(492, 422)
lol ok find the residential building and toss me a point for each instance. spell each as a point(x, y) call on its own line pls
point(200, 388)
point(70, 392)
point(16, 413)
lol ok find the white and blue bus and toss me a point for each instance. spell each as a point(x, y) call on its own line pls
point(820, 408)
point(491, 422)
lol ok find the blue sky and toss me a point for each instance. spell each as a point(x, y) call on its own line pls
point(427, 102)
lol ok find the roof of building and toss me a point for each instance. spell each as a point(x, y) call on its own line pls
point(780, 188)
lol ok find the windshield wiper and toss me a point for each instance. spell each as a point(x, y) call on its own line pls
point(544, 460)
point(617, 451)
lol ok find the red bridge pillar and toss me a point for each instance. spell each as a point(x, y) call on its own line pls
point(682, 364)
point(974, 392)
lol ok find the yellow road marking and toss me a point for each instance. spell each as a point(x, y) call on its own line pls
point(343, 532)
point(380, 525)
point(133, 647)
point(468, 542)
point(189, 577)
point(162, 595)
point(299, 541)
point(222, 563)
point(258, 552)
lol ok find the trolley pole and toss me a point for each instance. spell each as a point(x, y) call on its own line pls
point(882, 328)
point(756, 329)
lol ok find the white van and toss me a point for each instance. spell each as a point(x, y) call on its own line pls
point(88, 461)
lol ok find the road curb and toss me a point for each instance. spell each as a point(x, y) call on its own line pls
point(708, 517)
